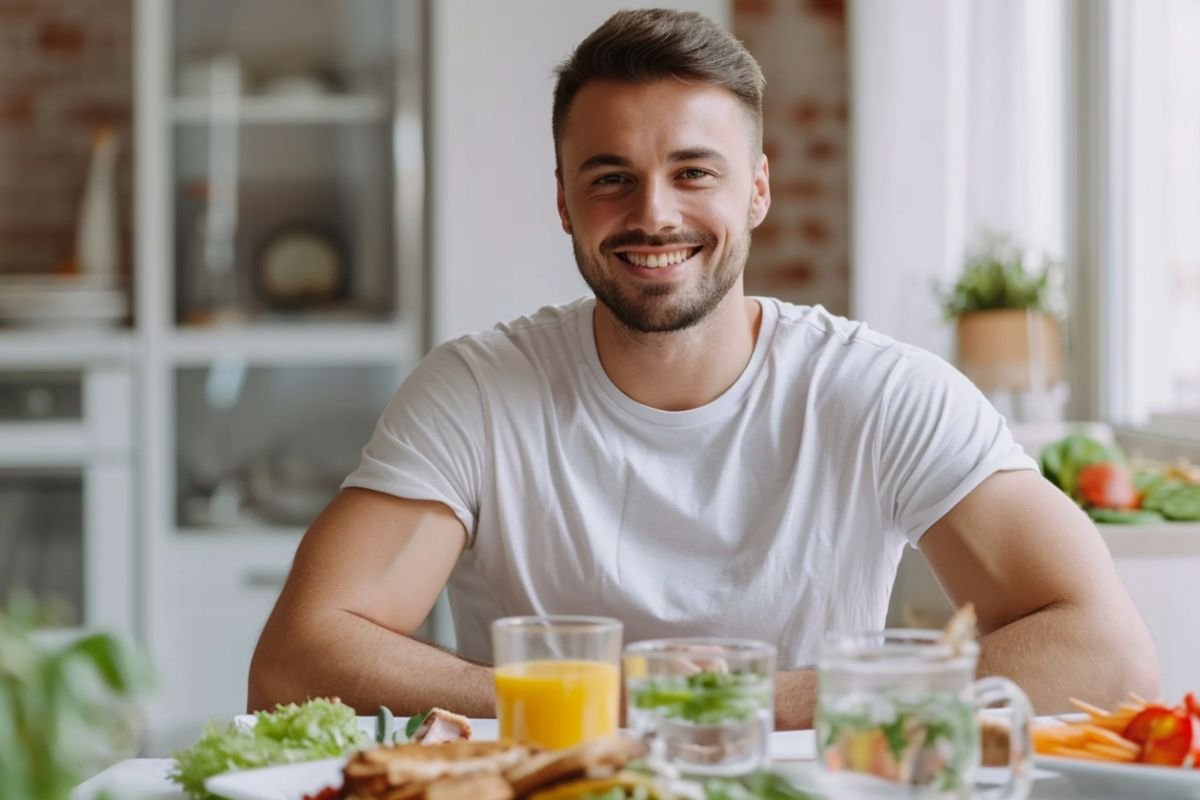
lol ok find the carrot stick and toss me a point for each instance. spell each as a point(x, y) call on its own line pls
point(1106, 737)
point(1076, 752)
point(1088, 708)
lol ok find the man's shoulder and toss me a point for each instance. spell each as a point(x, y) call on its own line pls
point(846, 362)
point(548, 322)
point(536, 341)
point(814, 328)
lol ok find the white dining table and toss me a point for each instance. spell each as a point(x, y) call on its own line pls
point(792, 751)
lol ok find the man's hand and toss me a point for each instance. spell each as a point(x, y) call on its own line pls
point(1055, 617)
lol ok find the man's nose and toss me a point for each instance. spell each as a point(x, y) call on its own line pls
point(654, 208)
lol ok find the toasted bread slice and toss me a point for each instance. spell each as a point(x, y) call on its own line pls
point(629, 781)
point(470, 787)
point(592, 759)
point(405, 770)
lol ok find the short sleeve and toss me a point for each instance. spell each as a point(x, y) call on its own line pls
point(939, 439)
point(428, 443)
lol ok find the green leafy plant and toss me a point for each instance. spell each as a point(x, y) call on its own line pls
point(995, 276)
point(65, 709)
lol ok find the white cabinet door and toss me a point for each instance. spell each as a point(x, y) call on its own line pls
point(216, 595)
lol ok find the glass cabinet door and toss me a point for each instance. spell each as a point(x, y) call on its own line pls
point(267, 447)
point(41, 538)
point(289, 122)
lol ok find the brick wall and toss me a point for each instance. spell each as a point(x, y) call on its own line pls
point(65, 69)
point(801, 251)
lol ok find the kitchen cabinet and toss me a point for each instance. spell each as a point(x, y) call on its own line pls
point(280, 299)
point(67, 513)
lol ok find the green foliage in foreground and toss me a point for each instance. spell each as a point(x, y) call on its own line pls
point(64, 708)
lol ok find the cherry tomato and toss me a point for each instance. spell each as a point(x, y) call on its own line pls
point(1165, 734)
point(1107, 485)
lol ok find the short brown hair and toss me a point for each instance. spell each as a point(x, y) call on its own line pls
point(645, 45)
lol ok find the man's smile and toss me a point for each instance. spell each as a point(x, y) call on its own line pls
point(657, 258)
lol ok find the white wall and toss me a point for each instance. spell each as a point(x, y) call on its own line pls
point(498, 251)
point(958, 127)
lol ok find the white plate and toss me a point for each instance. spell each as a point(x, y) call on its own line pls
point(1096, 778)
point(289, 782)
point(294, 781)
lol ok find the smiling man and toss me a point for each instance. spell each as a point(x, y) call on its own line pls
point(680, 456)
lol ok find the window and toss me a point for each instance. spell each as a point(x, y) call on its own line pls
point(1153, 275)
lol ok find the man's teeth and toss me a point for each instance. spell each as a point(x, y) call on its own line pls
point(655, 260)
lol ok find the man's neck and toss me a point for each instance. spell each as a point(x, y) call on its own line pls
point(685, 369)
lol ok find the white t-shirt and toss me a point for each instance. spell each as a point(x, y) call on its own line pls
point(778, 511)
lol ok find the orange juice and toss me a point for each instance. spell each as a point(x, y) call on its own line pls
point(557, 703)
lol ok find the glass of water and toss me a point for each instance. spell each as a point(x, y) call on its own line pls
point(898, 718)
point(703, 706)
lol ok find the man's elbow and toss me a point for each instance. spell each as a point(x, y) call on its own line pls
point(273, 674)
point(263, 682)
point(1125, 658)
point(1136, 663)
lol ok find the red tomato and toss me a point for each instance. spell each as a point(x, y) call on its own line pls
point(1165, 734)
point(1107, 485)
point(1192, 704)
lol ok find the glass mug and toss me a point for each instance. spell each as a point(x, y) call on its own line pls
point(703, 706)
point(558, 678)
point(898, 717)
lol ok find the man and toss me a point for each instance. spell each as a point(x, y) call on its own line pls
point(678, 455)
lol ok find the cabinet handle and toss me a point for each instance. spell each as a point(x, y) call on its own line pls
point(264, 578)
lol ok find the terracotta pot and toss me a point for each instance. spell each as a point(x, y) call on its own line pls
point(1010, 350)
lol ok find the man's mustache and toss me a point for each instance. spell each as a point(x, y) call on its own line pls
point(636, 238)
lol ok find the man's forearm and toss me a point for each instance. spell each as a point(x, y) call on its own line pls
point(795, 699)
point(1067, 650)
point(367, 666)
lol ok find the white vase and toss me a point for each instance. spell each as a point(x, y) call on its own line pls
point(96, 234)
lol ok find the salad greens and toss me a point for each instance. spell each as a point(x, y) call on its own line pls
point(1062, 460)
point(414, 723)
point(924, 739)
point(1158, 491)
point(762, 785)
point(317, 729)
point(705, 698)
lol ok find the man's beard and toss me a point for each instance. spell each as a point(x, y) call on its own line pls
point(666, 307)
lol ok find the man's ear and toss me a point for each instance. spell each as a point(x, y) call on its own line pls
point(761, 200)
point(562, 203)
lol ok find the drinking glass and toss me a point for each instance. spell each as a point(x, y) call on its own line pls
point(704, 706)
point(898, 717)
point(558, 678)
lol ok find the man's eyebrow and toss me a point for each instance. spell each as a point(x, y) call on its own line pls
point(696, 154)
point(604, 160)
point(686, 154)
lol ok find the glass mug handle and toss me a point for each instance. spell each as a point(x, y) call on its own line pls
point(1020, 746)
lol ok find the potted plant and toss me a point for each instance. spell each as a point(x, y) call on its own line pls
point(64, 708)
point(1008, 335)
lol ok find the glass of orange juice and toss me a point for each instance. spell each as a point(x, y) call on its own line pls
point(558, 678)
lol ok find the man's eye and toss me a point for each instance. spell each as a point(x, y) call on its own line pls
point(694, 174)
point(609, 180)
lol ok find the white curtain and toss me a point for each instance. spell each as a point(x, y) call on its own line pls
point(959, 127)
